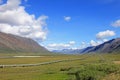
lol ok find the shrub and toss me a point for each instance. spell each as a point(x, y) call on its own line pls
point(90, 75)
point(65, 69)
point(93, 71)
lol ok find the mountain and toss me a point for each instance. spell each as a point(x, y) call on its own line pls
point(68, 51)
point(14, 44)
point(111, 46)
point(107, 47)
point(86, 50)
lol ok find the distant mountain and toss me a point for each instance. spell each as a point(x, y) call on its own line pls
point(86, 50)
point(107, 47)
point(68, 51)
point(14, 44)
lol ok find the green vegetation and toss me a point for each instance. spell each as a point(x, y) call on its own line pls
point(94, 71)
point(90, 67)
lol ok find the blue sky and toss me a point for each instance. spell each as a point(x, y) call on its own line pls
point(75, 23)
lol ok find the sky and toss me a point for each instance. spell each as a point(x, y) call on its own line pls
point(62, 24)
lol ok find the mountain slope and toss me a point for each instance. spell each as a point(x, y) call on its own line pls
point(107, 47)
point(68, 51)
point(111, 46)
point(12, 43)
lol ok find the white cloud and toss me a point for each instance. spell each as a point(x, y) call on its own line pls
point(116, 23)
point(71, 45)
point(60, 46)
point(82, 45)
point(98, 42)
point(67, 18)
point(72, 42)
point(105, 34)
point(104, 40)
point(93, 43)
point(15, 20)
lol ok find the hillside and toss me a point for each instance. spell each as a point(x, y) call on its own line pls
point(14, 44)
point(107, 47)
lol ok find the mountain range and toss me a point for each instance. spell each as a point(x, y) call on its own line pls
point(106, 47)
point(111, 46)
point(15, 44)
point(68, 51)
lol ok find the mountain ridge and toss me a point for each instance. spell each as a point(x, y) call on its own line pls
point(12, 43)
point(110, 46)
point(107, 47)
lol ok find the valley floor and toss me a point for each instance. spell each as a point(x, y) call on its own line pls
point(87, 67)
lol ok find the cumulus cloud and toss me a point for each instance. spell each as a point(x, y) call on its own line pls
point(71, 45)
point(60, 46)
point(72, 42)
point(15, 20)
point(67, 18)
point(98, 42)
point(116, 23)
point(105, 34)
point(104, 40)
point(95, 43)
point(83, 45)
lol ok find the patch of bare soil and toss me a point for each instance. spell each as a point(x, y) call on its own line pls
point(116, 62)
point(112, 76)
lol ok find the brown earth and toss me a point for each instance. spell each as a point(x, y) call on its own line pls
point(116, 62)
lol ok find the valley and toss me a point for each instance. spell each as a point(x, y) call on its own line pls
point(102, 65)
point(24, 59)
point(59, 40)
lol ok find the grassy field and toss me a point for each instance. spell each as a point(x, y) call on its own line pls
point(90, 67)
